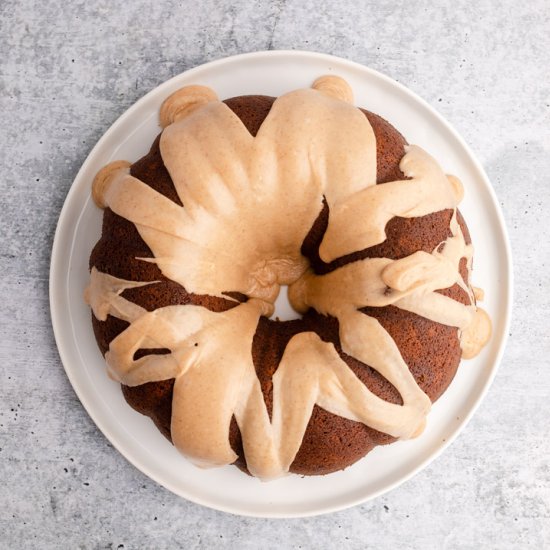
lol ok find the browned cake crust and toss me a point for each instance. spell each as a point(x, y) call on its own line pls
point(431, 350)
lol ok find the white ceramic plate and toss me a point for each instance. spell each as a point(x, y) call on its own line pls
point(134, 435)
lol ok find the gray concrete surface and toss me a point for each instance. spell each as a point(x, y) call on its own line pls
point(69, 69)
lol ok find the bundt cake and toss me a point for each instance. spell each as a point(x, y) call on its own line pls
point(238, 198)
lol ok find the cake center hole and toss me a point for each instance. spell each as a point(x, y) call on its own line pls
point(283, 309)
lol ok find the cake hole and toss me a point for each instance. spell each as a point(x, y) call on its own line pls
point(283, 309)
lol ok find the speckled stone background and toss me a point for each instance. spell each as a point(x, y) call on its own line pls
point(69, 69)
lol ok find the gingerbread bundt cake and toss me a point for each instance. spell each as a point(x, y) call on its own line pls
point(236, 199)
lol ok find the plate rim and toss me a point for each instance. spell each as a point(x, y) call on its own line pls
point(56, 269)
